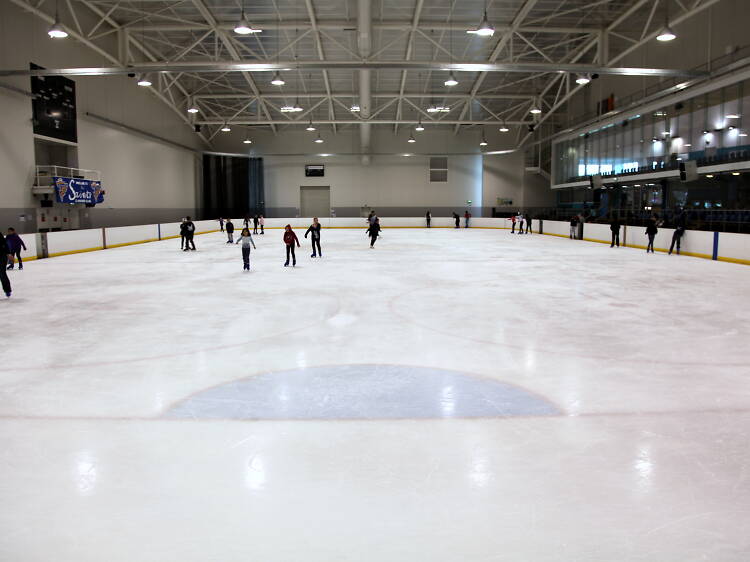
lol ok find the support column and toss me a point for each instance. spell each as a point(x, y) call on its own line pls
point(364, 41)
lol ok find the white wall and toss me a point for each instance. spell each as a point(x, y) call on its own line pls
point(144, 179)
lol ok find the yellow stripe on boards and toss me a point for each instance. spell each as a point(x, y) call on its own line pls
point(120, 245)
point(730, 260)
point(83, 251)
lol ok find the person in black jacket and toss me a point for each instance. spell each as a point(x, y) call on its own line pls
point(528, 223)
point(189, 233)
point(374, 231)
point(457, 219)
point(255, 224)
point(183, 234)
point(614, 226)
point(574, 227)
point(230, 231)
point(651, 231)
point(4, 250)
point(314, 229)
point(428, 218)
point(678, 232)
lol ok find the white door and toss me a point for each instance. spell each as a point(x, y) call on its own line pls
point(315, 201)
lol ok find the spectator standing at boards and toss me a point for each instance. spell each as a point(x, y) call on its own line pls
point(574, 227)
point(528, 223)
point(679, 231)
point(519, 220)
point(467, 216)
point(183, 233)
point(651, 231)
point(262, 223)
point(428, 218)
point(255, 224)
point(614, 226)
point(513, 224)
point(15, 243)
point(457, 219)
point(221, 223)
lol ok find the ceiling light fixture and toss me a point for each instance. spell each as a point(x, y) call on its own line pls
point(582, 80)
point(735, 173)
point(57, 31)
point(419, 126)
point(244, 28)
point(485, 29)
point(451, 81)
point(310, 126)
point(438, 109)
point(709, 175)
point(742, 134)
point(226, 128)
point(143, 81)
point(732, 116)
point(504, 128)
point(354, 108)
point(319, 140)
point(535, 110)
point(483, 142)
point(666, 34)
point(247, 141)
point(411, 138)
point(277, 80)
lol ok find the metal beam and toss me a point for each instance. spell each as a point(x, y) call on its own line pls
point(270, 66)
point(302, 122)
point(350, 95)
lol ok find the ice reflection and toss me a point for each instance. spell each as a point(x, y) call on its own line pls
point(644, 468)
point(447, 401)
point(255, 474)
point(85, 469)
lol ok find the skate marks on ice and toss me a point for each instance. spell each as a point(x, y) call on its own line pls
point(351, 392)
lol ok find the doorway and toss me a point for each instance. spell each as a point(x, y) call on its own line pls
point(315, 201)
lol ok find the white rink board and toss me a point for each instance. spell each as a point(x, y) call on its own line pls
point(123, 235)
point(74, 241)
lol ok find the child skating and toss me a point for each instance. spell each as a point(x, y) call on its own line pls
point(290, 239)
point(262, 223)
point(247, 241)
point(314, 229)
point(15, 243)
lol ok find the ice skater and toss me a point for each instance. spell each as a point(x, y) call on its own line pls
point(679, 231)
point(428, 218)
point(574, 227)
point(189, 233)
point(651, 231)
point(374, 232)
point(183, 233)
point(246, 240)
point(513, 224)
point(467, 216)
point(290, 239)
point(314, 229)
point(615, 228)
point(262, 223)
point(255, 224)
point(4, 250)
point(230, 231)
point(15, 243)
point(528, 224)
point(221, 223)
point(457, 219)
point(519, 220)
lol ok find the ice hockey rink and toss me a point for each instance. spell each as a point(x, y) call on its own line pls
point(450, 395)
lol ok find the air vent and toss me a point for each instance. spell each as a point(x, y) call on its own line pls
point(438, 169)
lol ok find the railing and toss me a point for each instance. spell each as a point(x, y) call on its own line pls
point(625, 102)
point(44, 174)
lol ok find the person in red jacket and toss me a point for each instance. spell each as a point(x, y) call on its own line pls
point(290, 238)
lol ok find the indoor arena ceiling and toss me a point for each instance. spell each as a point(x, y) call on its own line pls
point(393, 65)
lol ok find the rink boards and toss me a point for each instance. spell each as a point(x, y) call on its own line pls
point(708, 245)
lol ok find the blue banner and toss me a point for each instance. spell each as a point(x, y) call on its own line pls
point(72, 190)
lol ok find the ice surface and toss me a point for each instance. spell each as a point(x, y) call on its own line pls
point(644, 356)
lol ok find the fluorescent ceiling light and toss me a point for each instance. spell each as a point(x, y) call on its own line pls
point(732, 116)
point(438, 109)
point(354, 108)
point(247, 141)
point(535, 110)
point(193, 109)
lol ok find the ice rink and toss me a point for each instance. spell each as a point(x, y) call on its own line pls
point(451, 395)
